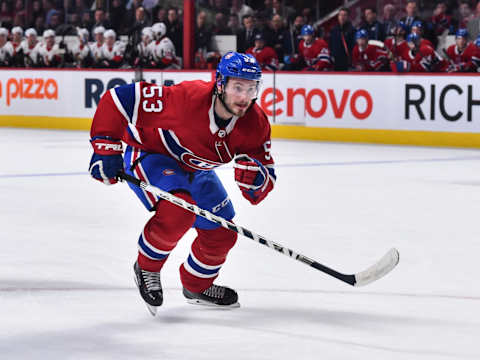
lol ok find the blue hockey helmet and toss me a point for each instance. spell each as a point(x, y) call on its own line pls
point(259, 36)
point(362, 33)
point(461, 33)
point(234, 64)
point(418, 24)
point(477, 41)
point(413, 37)
point(402, 25)
point(307, 30)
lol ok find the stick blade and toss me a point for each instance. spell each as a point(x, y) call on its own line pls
point(386, 264)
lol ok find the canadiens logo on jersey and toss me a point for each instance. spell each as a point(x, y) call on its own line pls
point(197, 162)
point(175, 148)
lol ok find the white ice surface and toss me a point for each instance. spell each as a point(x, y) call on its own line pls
point(68, 244)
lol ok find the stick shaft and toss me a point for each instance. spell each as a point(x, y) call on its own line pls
point(349, 279)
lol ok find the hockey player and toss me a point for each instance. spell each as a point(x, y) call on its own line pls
point(266, 57)
point(162, 49)
point(112, 51)
point(81, 52)
point(460, 54)
point(50, 55)
point(313, 54)
point(417, 28)
point(96, 47)
point(17, 39)
point(176, 136)
point(143, 50)
point(476, 56)
point(6, 48)
point(397, 43)
point(30, 48)
point(366, 57)
point(419, 58)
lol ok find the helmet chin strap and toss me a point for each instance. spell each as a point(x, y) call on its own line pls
point(220, 97)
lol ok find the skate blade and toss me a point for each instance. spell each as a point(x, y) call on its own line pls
point(152, 309)
point(209, 304)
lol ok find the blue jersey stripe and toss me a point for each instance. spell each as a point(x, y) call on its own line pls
point(149, 251)
point(271, 171)
point(126, 95)
point(200, 269)
point(173, 146)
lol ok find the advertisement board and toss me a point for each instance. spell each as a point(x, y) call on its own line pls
point(71, 94)
point(360, 101)
point(415, 109)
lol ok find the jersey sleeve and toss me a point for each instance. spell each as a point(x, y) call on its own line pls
point(261, 151)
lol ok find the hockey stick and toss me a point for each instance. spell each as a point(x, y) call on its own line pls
point(373, 273)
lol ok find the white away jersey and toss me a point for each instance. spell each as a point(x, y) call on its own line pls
point(31, 52)
point(80, 51)
point(144, 51)
point(49, 54)
point(109, 53)
point(96, 50)
point(162, 49)
point(6, 51)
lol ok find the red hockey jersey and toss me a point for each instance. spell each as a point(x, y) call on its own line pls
point(424, 60)
point(178, 121)
point(462, 58)
point(266, 57)
point(316, 55)
point(397, 47)
point(372, 58)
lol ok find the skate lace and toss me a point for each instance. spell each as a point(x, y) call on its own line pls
point(215, 291)
point(152, 280)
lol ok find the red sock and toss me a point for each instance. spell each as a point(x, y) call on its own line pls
point(162, 232)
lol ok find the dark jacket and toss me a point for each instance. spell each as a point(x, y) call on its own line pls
point(376, 30)
point(342, 41)
point(244, 41)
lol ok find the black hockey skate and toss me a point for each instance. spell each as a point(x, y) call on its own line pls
point(215, 295)
point(150, 288)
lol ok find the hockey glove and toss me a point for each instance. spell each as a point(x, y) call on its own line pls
point(252, 178)
point(106, 160)
point(400, 66)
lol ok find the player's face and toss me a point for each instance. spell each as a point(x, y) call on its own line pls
point(99, 38)
point(32, 39)
point(461, 42)
point(362, 42)
point(239, 94)
point(259, 44)
point(417, 30)
point(50, 40)
point(17, 37)
point(110, 40)
point(3, 39)
point(308, 38)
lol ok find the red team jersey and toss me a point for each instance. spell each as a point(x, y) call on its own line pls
point(316, 55)
point(372, 58)
point(266, 57)
point(425, 42)
point(424, 60)
point(464, 58)
point(397, 47)
point(178, 121)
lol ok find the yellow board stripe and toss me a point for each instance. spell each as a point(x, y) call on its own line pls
point(400, 137)
point(45, 122)
point(298, 132)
